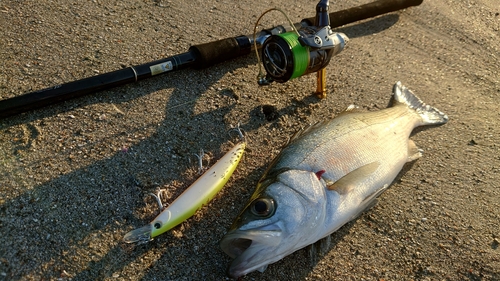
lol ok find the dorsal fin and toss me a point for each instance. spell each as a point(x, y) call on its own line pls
point(348, 182)
point(351, 109)
point(303, 131)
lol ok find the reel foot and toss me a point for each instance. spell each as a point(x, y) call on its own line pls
point(321, 83)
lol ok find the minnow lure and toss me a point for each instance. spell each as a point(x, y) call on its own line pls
point(197, 195)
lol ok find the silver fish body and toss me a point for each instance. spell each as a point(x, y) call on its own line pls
point(326, 176)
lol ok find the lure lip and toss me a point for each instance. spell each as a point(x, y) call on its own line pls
point(141, 235)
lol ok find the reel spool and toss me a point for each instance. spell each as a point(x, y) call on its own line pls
point(285, 58)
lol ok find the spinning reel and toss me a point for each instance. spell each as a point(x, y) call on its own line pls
point(288, 55)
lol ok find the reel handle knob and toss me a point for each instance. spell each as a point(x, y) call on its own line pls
point(322, 17)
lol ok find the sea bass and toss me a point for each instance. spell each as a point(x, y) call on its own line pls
point(326, 176)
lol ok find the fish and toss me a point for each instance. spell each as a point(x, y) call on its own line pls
point(327, 175)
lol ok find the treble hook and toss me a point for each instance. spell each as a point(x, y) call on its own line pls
point(200, 160)
point(238, 129)
point(158, 198)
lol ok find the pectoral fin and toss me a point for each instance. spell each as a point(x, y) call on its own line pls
point(348, 182)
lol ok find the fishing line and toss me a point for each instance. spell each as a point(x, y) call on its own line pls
point(261, 76)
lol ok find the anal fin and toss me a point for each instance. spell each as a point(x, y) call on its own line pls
point(354, 178)
point(413, 151)
point(262, 268)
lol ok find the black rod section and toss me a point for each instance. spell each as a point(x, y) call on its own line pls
point(198, 56)
point(92, 84)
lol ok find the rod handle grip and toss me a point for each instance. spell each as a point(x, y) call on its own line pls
point(366, 11)
point(211, 53)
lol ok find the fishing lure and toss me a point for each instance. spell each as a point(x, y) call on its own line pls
point(192, 199)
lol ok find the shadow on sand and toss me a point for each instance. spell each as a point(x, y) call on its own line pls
point(71, 223)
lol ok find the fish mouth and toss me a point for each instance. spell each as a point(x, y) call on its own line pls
point(234, 247)
point(251, 249)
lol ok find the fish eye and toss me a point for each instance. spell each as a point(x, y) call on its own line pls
point(262, 207)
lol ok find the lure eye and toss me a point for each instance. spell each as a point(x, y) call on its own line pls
point(262, 207)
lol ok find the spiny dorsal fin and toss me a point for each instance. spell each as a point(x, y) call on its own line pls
point(350, 109)
point(304, 131)
point(348, 182)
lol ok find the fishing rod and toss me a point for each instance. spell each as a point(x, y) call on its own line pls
point(276, 58)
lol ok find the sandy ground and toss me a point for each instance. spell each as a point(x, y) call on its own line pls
point(74, 177)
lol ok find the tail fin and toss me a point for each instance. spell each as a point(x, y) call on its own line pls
point(429, 114)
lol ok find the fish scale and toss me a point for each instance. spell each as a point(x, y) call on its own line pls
point(361, 141)
point(326, 176)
